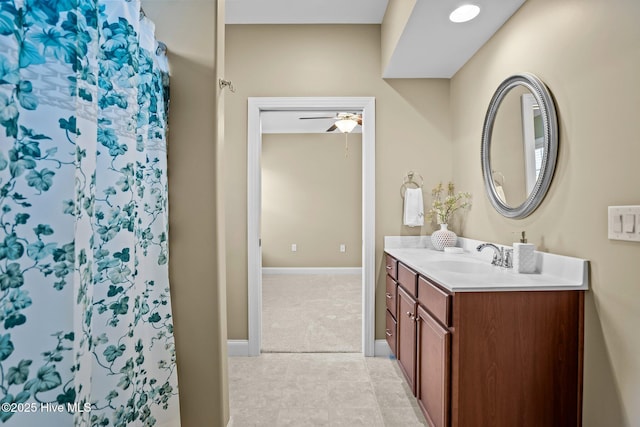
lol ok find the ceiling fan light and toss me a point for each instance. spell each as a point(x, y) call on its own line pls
point(464, 13)
point(346, 125)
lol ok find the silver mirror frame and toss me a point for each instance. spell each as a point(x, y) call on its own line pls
point(550, 127)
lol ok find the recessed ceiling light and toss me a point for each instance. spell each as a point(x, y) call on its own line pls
point(464, 13)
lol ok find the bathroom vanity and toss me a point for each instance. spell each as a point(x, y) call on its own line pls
point(481, 345)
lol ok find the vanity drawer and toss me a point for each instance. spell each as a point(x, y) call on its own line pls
point(391, 265)
point(408, 279)
point(435, 300)
point(390, 332)
point(390, 295)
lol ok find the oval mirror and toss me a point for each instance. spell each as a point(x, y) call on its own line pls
point(519, 145)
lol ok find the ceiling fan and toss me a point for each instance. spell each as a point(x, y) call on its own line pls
point(345, 122)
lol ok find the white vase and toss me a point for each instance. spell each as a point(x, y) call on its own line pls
point(443, 238)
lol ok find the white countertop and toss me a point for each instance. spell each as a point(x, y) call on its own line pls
point(472, 271)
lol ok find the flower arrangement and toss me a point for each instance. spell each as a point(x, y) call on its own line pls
point(443, 207)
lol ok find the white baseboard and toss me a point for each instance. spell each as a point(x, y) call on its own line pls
point(311, 270)
point(240, 348)
point(237, 348)
point(382, 349)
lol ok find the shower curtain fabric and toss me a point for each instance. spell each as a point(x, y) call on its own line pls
point(86, 334)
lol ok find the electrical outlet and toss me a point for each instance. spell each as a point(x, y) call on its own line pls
point(294, 247)
point(343, 248)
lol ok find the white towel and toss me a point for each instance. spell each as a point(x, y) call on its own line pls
point(413, 207)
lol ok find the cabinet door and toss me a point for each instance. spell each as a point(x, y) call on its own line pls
point(406, 337)
point(433, 369)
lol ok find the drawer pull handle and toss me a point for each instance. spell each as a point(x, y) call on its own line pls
point(389, 296)
point(411, 316)
point(388, 333)
point(389, 267)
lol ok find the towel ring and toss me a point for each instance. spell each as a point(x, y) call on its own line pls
point(409, 180)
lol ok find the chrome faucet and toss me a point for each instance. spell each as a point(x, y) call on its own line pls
point(507, 258)
point(501, 257)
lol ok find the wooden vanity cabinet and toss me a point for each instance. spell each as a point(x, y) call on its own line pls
point(516, 359)
point(433, 369)
point(408, 279)
point(406, 338)
point(391, 331)
point(390, 296)
point(490, 358)
point(391, 292)
point(391, 265)
point(435, 300)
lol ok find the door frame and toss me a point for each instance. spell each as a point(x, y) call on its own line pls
point(254, 205)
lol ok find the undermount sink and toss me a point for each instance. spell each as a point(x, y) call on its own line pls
point(481, 272)
point(464, 267)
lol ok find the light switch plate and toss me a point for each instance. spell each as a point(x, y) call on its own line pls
point(624, 223)
point(628, 223)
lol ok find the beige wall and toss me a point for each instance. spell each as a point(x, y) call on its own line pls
point(311, 196)
point(413, 130)
point(588, 53)
point(196, 264)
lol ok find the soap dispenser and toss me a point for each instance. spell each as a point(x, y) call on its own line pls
point(524, 259)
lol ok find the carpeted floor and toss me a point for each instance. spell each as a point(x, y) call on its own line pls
point(311, 313)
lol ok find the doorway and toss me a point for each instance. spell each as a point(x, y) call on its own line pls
point(256, 106)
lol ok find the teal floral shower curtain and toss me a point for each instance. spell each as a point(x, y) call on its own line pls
point(86, 333)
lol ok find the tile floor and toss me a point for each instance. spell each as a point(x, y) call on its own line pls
point(319, 389)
